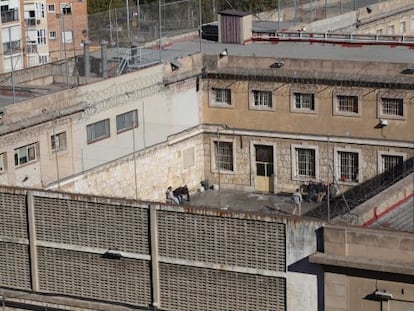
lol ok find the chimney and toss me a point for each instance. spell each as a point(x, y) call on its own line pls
point(87, 62)
point(104, 58)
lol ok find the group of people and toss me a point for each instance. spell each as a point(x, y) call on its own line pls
point(316, 192)
point(178, 195)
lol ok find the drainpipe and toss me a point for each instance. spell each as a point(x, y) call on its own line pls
point(104, 58)
point(87, 63)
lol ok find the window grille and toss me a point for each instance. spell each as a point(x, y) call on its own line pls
point(348, 166)
point(347, 103)
point(304, 101)
point(224, 155)
point(305, 162)
point(222, 96)
point(262, 99)
point(392, 107)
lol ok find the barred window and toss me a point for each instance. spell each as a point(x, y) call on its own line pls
point(392, 165)
point(347, 103)
point(97, 131)
point(304, 101)
point(392, 107)
point(262, 99)
point(224, 155)
point(305, 162)
point(348, 166)
point(222, 96)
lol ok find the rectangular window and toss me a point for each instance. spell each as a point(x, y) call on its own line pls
point(222, 96)
point(42, 59)
point(52, 35)
point(51, 8)
point(41, 37)
point(305, 162)
point(402, 28)
point(304, 101)
point(67, 36)
point(25, 154)
point(348, 166)
point(347, 104)
point(2, 162)
point(390, 30)
point(392, 107)
point(126, 121)
point(97, 131)
point(224, 155)
point(66, 8)
point(392, 166)
point(379, 32)
point(262, 99)
point(58, 142)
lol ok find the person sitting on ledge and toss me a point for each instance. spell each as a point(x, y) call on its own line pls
point(180, 192)
point(170, 197)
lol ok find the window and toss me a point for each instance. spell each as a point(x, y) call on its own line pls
point(348, 166)
point(305, 162)
point(224, 155)
point(304, 101)
point(41, 36)
point(393, 107)
point(126, 121)
point(391, 163)
point(97, 131)
point(222, 96)
point(2, 162)
point(24, 154)
point(264, 160)
point(51, 8)
point(379, 31)
point(262, 99)
point(390, 30)
point(42, 59)
point(67, 36)
point(52, 35)
point(347, 104)
point(402, 28)
point(66, 8)
point(58, 142)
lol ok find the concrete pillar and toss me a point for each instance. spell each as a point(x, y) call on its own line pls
point(104, 58)
point(134, 53)
point(155, 273)
point(87, 63)
point(34, 271)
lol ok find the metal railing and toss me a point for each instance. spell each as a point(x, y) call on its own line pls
point(135, 57)
point(332, 37)
point(10, 16)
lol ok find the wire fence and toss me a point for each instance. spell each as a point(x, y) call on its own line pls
point(147, 22)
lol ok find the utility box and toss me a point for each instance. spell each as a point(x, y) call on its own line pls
point(234, 26)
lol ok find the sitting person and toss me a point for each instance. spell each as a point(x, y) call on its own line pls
point(322, 190)
point(170, 197)
point(180, 192)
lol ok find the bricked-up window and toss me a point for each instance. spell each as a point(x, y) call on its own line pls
point(2, 162)
point(58, 142)
point(392, 107)
point(126, 121)
point(224, 155)
point(262, 99)
point(66, 8)
point(305, 162)
point(347, 104)
point(348, 166)
point(67, 36)
point(25, 154)
point(304, 101)
point(97, 131)
point(222, 96)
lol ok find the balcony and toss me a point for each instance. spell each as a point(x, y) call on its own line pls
point(10, 16)
point(31, 22)
point(31, 48)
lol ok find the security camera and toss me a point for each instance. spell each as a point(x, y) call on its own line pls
point(383, 295)
point(383, 122)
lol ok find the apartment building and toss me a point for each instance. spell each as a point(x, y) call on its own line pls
point(11, 35)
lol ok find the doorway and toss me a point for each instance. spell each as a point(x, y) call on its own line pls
point(264, 168)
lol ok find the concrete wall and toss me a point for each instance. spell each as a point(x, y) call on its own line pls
point(223, 260)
